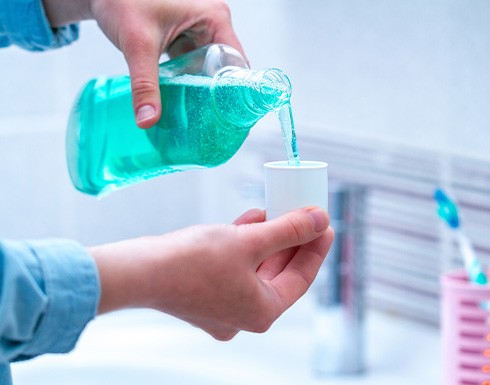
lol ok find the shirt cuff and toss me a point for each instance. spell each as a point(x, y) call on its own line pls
point(27, 26)
point(71, 284)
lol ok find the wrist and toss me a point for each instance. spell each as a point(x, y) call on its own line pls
point(123, 279)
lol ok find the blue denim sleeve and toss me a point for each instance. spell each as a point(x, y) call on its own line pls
point(24, 23)
point(49, 291)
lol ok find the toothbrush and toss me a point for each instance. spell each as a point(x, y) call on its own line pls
point(448, 212)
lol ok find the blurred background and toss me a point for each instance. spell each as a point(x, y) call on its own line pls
point(394, 95)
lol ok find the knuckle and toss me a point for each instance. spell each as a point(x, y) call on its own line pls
point(217, 5)
point(218, 11)
point(223, 7)
point(262, 323)
point(261, 319)
point(135, 41)
point(297, 229)
point(143, 87)
point(224, 335)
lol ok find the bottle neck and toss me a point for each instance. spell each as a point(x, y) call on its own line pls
point(254, 93)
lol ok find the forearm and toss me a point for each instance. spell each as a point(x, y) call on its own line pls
point(64, 12)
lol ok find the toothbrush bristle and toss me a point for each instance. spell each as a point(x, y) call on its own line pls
point(447, 209)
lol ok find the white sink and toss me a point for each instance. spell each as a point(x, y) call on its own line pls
point(130, 374)
point(107, 375)
point(148, 348)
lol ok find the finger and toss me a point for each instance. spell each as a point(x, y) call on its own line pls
point(251, 216)
point(226, 35)
point(181, 45)
point(142, 56)
point(218, 331)
point(276, 263)
point(223, 333)
point(298, 275)
point(293, 229)
point(224, 32)
point(219, 30)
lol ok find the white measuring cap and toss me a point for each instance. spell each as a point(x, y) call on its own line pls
point(289, 187)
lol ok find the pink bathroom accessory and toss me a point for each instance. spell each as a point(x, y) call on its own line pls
point(465, 322)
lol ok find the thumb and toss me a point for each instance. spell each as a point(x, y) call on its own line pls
point(293, 229)
point(142, 59)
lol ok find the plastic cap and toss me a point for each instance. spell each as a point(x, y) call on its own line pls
point(289, 187)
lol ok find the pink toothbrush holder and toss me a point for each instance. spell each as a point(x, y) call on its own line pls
point(465, 326)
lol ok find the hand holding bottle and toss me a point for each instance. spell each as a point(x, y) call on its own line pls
point(220, 278)
point(143, 30)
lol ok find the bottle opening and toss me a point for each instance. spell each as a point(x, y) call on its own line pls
point(274, 87)
point(255, 93)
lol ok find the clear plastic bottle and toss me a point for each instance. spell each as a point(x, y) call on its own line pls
point(210, 101)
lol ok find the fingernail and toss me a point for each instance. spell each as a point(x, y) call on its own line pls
point(144, 113)
point(319, 219)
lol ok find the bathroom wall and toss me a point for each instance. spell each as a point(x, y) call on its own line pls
point(395, 71)
point(408, 72)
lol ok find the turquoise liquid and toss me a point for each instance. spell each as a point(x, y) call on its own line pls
point(107, 151)
point(285, 114)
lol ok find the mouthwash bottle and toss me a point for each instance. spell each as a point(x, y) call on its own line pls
point(210, 101)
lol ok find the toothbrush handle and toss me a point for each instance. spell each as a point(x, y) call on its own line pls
point(471, 262)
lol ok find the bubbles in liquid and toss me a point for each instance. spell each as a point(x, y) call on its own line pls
point(107, 151)
point(285, 113)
